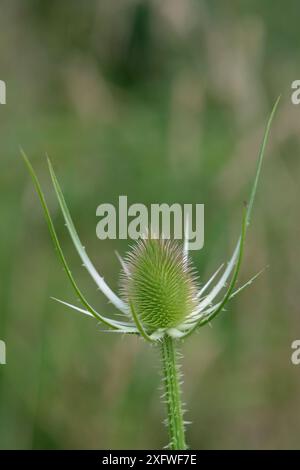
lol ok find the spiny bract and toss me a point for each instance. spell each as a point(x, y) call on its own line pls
point(159, 282)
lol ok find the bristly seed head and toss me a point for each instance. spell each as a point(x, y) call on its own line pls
point(160, 283)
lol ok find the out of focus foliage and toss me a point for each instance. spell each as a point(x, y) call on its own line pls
point(165, 102)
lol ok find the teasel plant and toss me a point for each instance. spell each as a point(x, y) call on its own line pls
point(160, 299)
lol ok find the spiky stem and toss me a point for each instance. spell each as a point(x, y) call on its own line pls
point(172, 394)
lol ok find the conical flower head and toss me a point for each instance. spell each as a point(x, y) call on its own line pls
point(159, 283)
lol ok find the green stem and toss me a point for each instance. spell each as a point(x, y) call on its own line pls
point(172, 394)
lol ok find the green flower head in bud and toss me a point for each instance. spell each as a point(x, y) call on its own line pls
point(159, 283)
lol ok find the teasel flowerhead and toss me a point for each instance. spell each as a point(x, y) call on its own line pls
point(159, 284)
point(159, 289)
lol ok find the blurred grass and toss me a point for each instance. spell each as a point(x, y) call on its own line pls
point(162, 102)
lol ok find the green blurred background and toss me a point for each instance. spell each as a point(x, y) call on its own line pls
point(164, 101)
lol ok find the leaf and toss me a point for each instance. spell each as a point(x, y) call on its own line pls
point(105, 289)
point(139, 325)
point(238, 253)
point(126, 327)
point(202, 321)
point(58, 248)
